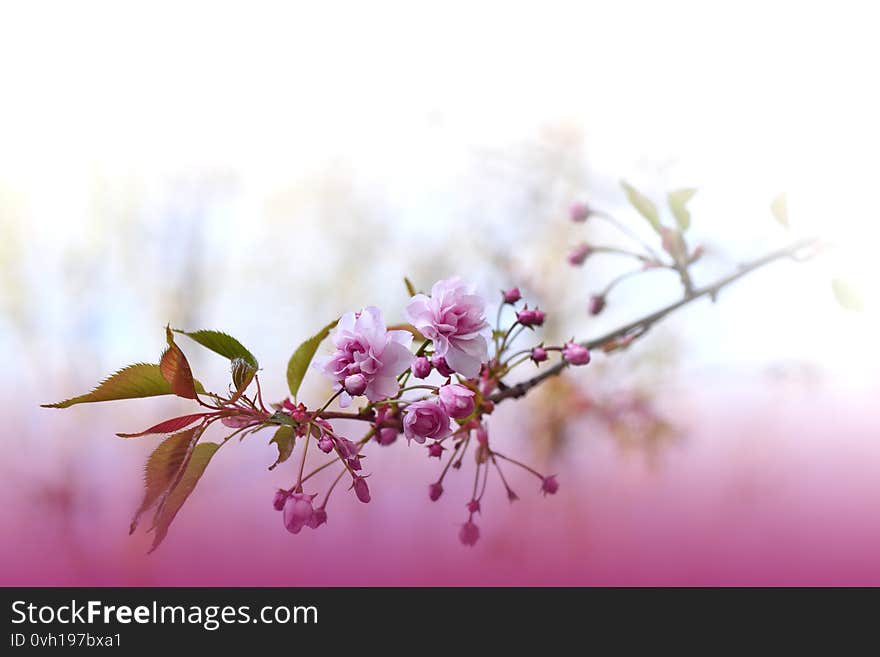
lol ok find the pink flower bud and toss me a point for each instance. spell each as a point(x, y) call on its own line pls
point(457, 400)
point(435, 449)
point(435, 491)
point(597, 304)
point(325, 444)
point(576, 354)
point(442, 366)
point(483, 435)
point(469, 533)
point(319, 517)
point(386, 435)
point(347, 449)
point(512, 295)
point(298, 512)
point(473, 506)
point(549, 485)
point(361, 489)
point(539, 354)
point(280, 499)
point(421, 367)
point(577, 255)
point(355, 384)
point(579, 212)
point(533, 317)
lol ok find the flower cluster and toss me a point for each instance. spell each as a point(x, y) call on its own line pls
point(435, 379)
point(446, 410)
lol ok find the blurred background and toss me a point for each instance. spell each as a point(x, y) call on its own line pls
point(261, 168)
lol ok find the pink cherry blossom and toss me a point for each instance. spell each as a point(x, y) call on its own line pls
point(457, 400)
point(453, 319)
point(426, 419)
point(364, 346)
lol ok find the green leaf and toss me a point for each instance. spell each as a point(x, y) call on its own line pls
point(164, 468)
point(195, 468)
point(409, 287)
point(779, 207)
point(223, 344)
point(678, 201)
point(284, 438)
point(643, 204)
point(132, 382)
point(299, 363)
point(176, 370)
point(847, 295)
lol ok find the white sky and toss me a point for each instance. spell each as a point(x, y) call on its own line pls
point(742, 100)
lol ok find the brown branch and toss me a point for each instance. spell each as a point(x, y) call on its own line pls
point(641, 326)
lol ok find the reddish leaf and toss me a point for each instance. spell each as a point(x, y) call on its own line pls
point(175, 368)
point(165, 467)
point(168, 426)
point(190, 476)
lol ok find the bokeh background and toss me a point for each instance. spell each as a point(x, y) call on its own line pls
point(260, 168)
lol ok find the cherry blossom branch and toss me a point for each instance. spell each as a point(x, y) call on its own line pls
point(639, 327)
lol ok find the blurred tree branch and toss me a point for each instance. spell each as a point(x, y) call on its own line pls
point(623, 336)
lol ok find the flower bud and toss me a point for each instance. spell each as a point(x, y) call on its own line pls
point(549, 485)
point(319, 517)
point(578, 212)
point(539, 354)
point(576, 354)
point(325, 444)
point(435, 490)
point(597, 304)
point(469, 533)
point(298, 512)
point(533, 317)
point(473, 506)
point(442, 366)
point(386, 435)
point(457, 400)
point(435, 449)
point(421, 367)
point(483, 435)
point(355, 384)
point(280, 499)
point(577, 255)
point(361, 489)
point(512, 295)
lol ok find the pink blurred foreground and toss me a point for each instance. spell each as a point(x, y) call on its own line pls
point(776, 489)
